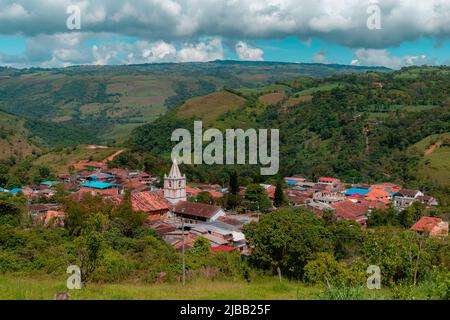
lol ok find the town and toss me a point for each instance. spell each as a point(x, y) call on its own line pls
point(175, 213)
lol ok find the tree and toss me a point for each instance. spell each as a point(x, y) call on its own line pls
point(288, 239)
point(10, 213)
point(383, 217)
point(347, 236)
point(204, 197)
point(257, 198)
point(125, 218)
point(89, 252)
point(411, 214)
point(44, 172)
point(278, 201)
point(13, 182)
point(234, 183)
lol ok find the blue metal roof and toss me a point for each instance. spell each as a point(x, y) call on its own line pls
point(15, 190)
point(353, 191)
point(97, 185)
point(101, 176)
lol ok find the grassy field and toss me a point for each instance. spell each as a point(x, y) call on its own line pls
point(18, 288)
point(271, 98)
point(436, 164)
point(211, 106)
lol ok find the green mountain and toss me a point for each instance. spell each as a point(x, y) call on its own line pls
point(358, 127)
point(99, 104)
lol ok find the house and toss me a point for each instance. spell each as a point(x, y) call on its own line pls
point(57, 217)
point(333, 184)
point(270, 190)
point(153, 203)
point(378, 194)
point(296, 198)
point(404, 198)
point(318, 207)
point(428, 200)
point(135, 185)
point(328, 196)
point(100, 188)
point(327, 180)
point(431, 226)
point(100, 176)
point(290, 181)
point(356, 191)
point(142, 177)
point(387, 186)
point(40, 208)
point(194, 212)
point(192, 192)
point(49, 184)
point(350, 210)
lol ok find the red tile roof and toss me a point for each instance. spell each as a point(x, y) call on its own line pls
point(215, 194)
point(150, 201)
point(349, 210)
point(426, 224)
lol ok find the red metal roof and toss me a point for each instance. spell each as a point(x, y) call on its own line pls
point(222, 248)
point(327, 179)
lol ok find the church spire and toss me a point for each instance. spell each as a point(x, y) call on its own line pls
point(175, 171)
point(175, 184)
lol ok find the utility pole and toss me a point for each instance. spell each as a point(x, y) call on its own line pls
point(182, 252)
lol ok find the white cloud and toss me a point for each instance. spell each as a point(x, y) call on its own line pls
point(320, 56)
point(245, 52)
point(203, 51)
point(171, 22)
point(67, 49)
point(381, 57)
point(343, 22)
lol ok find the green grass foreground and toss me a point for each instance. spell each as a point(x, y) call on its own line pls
point(19, 288)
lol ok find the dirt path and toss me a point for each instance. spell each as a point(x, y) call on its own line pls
point(433, 147)
point(111, 157)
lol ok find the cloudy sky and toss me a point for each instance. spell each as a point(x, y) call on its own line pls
point(406, 32)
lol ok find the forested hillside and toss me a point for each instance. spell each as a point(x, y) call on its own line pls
point(102, 104)
point(356, 127)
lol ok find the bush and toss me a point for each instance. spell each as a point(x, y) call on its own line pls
point(325, 270)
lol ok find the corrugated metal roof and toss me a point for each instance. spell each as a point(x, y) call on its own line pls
point(353, 191)
point(97, 185)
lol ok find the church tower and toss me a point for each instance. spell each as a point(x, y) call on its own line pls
point(175, 185)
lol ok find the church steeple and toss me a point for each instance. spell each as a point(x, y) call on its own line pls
point(175, 184)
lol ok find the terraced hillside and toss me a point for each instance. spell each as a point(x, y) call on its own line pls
point(100, 104)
